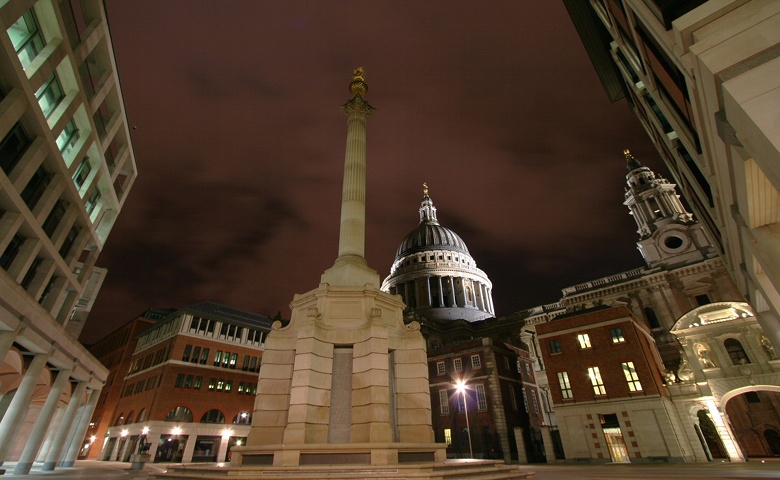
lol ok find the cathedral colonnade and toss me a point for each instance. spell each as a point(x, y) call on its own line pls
point(446, 291)
point(49, 387)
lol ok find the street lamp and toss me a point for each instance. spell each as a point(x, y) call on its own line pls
point(460, 385)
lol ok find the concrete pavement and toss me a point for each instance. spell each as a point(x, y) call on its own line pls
point(754, 470)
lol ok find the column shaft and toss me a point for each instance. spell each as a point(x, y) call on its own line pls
point(20, 404)
point(353, 201)
point(42, 424)
point(81, 428)
point(65, 428)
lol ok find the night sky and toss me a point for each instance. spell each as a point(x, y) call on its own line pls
point(240, 148)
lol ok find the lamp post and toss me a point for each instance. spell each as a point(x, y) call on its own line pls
point(460, 385)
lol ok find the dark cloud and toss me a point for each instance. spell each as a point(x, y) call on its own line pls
point(240, 147)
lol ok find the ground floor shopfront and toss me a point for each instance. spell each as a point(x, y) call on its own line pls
point(173, 443)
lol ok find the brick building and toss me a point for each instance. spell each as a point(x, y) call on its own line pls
point(608, 389)
point(115, 351)
point(191, 385)
point(502, 398)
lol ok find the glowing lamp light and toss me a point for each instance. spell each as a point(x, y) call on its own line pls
point(145, 430)
point(238, 443)
point(176, 431)
point(124, 433)
point(226, 433)
point(92, 439)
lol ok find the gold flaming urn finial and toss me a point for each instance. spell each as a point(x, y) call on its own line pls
point(425, 189)
point(627, 153)
point(358, 84)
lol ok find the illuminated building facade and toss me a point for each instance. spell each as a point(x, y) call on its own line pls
point(66, 167)
point(701, 76)
point(190, 387)
point(707, 370)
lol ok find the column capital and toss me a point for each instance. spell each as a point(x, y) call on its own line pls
point(357, 107)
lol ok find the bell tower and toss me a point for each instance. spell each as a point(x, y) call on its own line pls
point(668, 234)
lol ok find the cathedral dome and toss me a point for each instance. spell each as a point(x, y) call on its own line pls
point(435, 274)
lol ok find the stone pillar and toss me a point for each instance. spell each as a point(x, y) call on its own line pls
point(35, 440)
point(66, 427)
point(154, 439)
point(7, 338)
point(428, 291)
point(522, 457)
point(222, 451)
point(54, 427)
point(441, 292)
point(20, 404)
point(189, 447)
point(549, 447)
point(81, 429)
point(353, 200)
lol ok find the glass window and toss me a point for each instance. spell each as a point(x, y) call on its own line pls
point(458, 364)
point(448, 436)
point(35, 187)
point(563, 382)
point(584, 340)
point(67, 138)
point(53, 220)
point(204, 357)
point(8, 256)
point(555, 346)
point(50, 95)
point(12, 147)
point(475, 362)
point(595, 379)
point(735, 351)
point(179, 414)
point(444, 402)
point(179, 380)
point(617, 335)
point(188, 381)
point(82, 172)
point(186, 355)
point(70, 238)
point(440, 370)
point(525, 399)
point(195, 355)
point(92, 201)
point(631, 377)
point(198, 382)
point(26, 38)
point(481, 398)
point(31, 272)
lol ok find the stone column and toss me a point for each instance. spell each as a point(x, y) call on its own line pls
point(81, 429)
point(154, 439)
point(35, 440)
point(353, 201)
point(222, 451)
point(7, 338)
point(549, 447)
point(189, 447)
point(522, 457)
point(428, 291)
point(20, 404)
point(441, 292)
point(67, 422)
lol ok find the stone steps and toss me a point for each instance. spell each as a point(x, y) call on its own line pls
point(475, 469)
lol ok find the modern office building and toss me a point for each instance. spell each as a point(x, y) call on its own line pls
point(66, 167)
point(702, 77)
point(190, 387)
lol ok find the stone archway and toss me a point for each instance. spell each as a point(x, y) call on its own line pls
point(754, 416)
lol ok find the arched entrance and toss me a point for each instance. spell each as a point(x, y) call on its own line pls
point(754, 416)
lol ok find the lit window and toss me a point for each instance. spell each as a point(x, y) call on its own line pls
point(595, 379)
point(481, 398)
point(444, 402)
point(26, 38)
point(67, 138)
point(617, 335)
point(535, 403)
point(555, 346)
point(631, 377)
point(584, 340)
point(563, 382)
point(50, 95)
point(458, 364)
point(440, 368)
point(448, 436)
point(475, 362)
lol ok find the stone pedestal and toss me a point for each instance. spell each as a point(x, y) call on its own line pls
point(345, 381)
point(138, 460)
